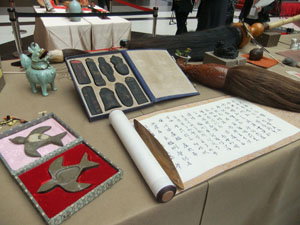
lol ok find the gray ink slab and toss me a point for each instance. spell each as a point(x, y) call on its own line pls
point(109, 99)
point(91, 100)
point(119, 65)
point(136, 91)
point(98, 79)
point(106, 69)
point(123, 94)
point(80, 72)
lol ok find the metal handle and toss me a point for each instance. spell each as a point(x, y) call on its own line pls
point(155, 15)
point(16, 29)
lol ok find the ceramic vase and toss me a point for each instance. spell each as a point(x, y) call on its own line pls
point(185, 58)
point(294, 45)
point(74, 7)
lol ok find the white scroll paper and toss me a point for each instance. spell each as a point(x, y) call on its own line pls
point(263, 3)
point(205, 139)
point(148, 166)
point(201, 138)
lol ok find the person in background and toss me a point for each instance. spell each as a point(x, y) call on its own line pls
point(182, 9)
point(230, 11)
point(251, 14)
point(102, 4)
point(214, 13)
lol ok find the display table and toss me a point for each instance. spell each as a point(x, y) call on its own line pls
point(261, 191)
point(89, 33)
point(108, 32)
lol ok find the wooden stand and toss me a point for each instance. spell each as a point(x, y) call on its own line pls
point(2, 83)
point(209, 57)
point(268, 39)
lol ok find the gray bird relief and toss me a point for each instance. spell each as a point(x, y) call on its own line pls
point(37, 139)
point(66, 176)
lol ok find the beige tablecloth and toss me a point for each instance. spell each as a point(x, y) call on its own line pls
point(107, 33)
point(262, 191)
point(89, 33)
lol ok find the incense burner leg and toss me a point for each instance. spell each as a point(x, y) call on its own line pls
point(33, 87)
point(44, 89)
point(53, 86)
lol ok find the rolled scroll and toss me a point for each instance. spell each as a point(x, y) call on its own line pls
point(156, 178)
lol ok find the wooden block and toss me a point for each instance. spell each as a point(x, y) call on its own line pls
point(209, 57)
point(268, 39)
point(2, 82)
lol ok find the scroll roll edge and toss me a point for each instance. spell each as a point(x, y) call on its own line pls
point(156, 178)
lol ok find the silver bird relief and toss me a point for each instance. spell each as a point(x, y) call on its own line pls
point(37, 139)
point(66, 176)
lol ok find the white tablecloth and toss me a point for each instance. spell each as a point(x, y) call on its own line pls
point(121, 30)
point(90, 33)
point(108, 32)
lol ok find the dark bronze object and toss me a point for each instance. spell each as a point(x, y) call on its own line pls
point(225, 51)
point(256, 54)
point(290, 62)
